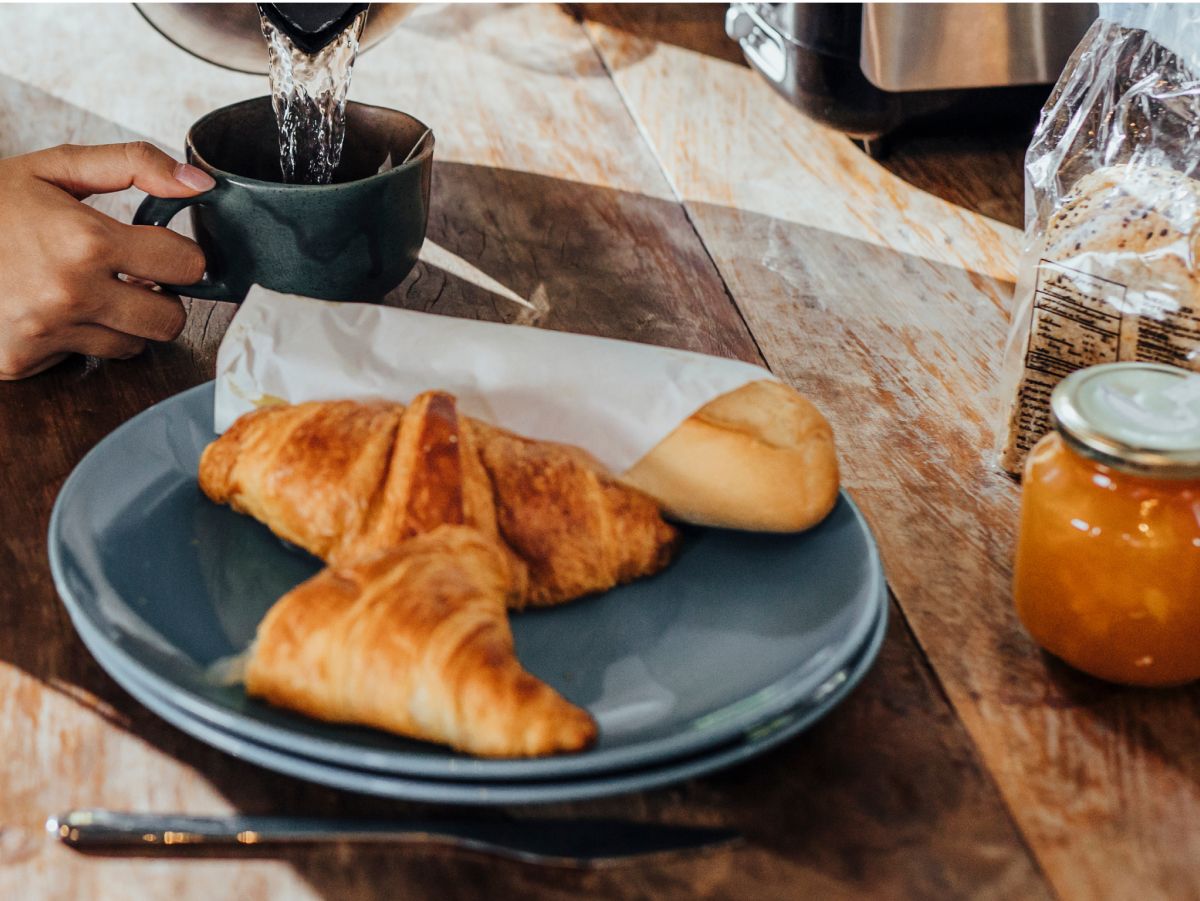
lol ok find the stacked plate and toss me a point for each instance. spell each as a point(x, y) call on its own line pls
point(744, 641)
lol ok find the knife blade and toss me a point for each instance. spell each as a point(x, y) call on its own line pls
point(558, 842)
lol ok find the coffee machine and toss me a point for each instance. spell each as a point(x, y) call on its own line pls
point(869, 68)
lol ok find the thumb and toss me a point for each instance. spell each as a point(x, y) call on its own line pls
point(114, 167)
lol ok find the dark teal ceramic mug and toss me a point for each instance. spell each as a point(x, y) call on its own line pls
point(354, 239)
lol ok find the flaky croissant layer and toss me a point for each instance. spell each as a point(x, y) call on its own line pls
point(415, 640)
point(345, 479)
point(432, 525)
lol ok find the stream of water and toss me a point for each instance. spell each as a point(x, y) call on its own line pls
point(308, 93)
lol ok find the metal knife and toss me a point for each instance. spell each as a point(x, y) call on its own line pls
point(569, 843)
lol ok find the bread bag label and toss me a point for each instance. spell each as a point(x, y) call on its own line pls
point(1110, 269)
point(1079, 320)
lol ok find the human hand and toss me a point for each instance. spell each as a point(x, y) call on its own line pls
point(60, 259)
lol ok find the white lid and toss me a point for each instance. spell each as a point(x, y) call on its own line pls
point(1143, 417)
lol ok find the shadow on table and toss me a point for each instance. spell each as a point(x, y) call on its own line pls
point(976, 165)
point(698, 27)
point(885, 793)
point(863, 800)
point(584, 258)
point(1150, 727)
point(980, 169)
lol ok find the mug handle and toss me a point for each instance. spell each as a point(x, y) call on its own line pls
point(161, 210)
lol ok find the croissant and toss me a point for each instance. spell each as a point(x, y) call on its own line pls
point(345, 479)
point(416, 641)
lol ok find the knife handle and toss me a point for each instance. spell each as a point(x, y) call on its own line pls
point(573, 843)
point(93, 829)
point(89, 829)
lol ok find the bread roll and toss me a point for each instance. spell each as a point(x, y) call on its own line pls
point(759, 458)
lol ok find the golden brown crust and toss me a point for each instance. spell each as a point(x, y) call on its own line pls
point(344, 480)
point(312, 472)
point(760, 458)
point(416, 641)
point(577, 529)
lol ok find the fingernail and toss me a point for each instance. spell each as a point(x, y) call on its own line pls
point(194, 178)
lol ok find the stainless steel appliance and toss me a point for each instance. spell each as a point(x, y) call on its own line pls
point(867, 68)
point(229, 34)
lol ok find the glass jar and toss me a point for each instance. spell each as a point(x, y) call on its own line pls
point(1107, 573)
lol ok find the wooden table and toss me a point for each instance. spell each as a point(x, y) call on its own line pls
point(623, 172)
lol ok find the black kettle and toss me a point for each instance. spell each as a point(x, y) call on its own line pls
point(230, 34)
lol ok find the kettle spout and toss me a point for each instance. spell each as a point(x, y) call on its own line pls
point(311, 26)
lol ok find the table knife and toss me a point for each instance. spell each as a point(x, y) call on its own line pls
point(572, 843)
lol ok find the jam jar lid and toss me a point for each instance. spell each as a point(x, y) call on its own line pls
point(1138, 417)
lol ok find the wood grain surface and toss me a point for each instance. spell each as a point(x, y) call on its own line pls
point(901, 346)
point(621, 172)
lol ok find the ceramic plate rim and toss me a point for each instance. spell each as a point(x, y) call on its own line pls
point(479, 793)
point(451, 765)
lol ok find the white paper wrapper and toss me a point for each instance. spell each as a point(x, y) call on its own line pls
point(617, 399)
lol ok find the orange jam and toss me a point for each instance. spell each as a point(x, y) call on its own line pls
point(1108, 567)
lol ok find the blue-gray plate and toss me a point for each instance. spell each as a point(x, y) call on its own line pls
point(783, 727)
point(740, 630)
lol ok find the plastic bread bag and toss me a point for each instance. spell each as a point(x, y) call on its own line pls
point(1109, 269)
